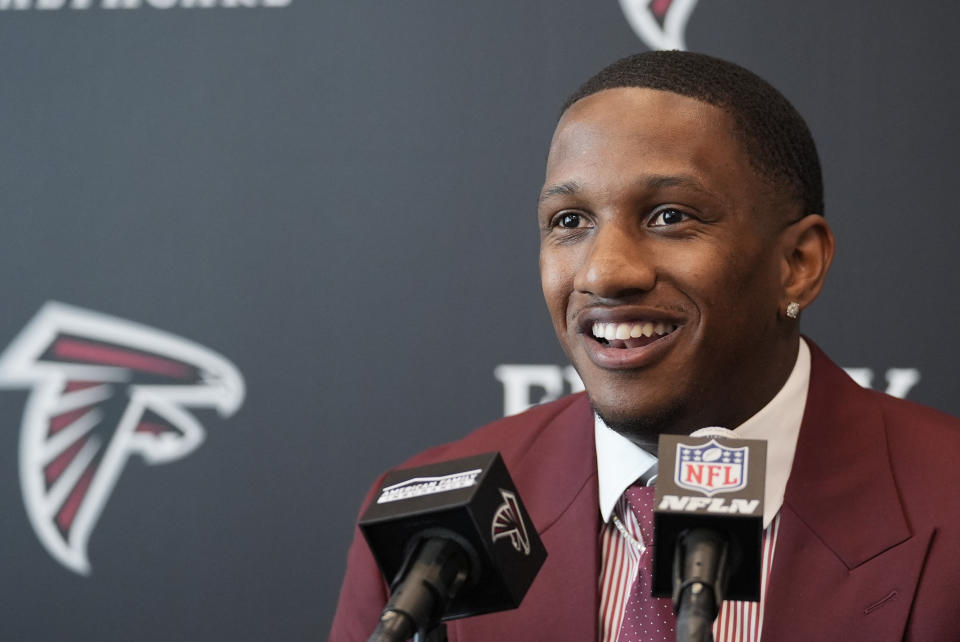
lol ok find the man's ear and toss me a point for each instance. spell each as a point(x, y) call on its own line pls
point(808, 248)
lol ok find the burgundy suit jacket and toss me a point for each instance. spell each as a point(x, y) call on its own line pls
point(869, 541)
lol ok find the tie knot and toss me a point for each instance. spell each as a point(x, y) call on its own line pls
point(640, 499)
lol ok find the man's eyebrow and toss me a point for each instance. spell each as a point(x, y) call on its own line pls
point(571, 188)
point(654, 183)
point(659, 182)
point(568, 188)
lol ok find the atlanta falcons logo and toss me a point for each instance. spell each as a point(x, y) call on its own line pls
point(508, 522)
point(659, 23)
point(103, 389)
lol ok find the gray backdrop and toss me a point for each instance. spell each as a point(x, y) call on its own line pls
point(339, 198)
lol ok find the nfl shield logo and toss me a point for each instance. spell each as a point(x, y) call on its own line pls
point(711, 468)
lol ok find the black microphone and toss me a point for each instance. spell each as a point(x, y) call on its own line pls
point(454, 540)
point(708, 526)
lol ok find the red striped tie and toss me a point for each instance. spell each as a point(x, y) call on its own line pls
point(646, 618)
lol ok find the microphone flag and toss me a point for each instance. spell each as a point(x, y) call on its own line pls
point(473, 502)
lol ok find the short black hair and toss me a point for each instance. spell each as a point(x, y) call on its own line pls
point(774, 135)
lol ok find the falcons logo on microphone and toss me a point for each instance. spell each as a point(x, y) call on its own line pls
point(659, 23)
point(508, 522)
point(103, 389)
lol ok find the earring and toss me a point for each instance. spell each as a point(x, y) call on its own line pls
point(793, 310)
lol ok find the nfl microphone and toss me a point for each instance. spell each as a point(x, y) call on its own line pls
point(454, 540)
point(708, 525)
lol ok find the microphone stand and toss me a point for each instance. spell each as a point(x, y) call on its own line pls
point(431, 577)
point(437, 633)
point(701, 569)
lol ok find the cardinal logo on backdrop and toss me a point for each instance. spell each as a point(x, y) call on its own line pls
point(102, 390)
point(711, 468)
point(659, 23)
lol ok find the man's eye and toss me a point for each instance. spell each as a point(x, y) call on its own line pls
point(668, 216)
point(569, 220)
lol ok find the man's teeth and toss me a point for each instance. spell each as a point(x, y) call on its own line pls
point(611, 331)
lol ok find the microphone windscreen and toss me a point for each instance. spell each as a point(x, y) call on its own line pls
point(472, 501)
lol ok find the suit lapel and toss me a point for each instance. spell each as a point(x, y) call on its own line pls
point(846, 564)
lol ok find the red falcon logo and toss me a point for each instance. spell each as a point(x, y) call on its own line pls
point(103, 389)
point(508, 522)
point(659, 23)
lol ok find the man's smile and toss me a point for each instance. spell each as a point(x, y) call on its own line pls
point(632, 334)
point(626, 338)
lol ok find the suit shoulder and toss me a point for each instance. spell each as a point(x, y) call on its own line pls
point(918, 421)
point(918, 438)
point(510, 435)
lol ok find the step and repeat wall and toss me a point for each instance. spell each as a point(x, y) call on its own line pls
point(256, 251)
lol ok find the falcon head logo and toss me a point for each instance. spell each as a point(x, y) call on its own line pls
point(508, 523)
point(659, 23)
point(103, 389)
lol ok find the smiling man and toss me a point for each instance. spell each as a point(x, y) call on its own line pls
point(668, 261)
point(682, 234)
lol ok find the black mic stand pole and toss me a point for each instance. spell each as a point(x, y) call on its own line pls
point(422, 591)
point(437, 634)
point(701, 567)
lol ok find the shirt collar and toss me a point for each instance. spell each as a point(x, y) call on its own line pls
point(620, 462)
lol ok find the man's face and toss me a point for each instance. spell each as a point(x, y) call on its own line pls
point(660, 263)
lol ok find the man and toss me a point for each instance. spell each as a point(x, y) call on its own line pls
point(682, 233)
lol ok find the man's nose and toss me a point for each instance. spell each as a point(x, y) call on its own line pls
point(618, 265)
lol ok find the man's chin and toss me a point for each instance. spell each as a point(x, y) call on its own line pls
point(642, 429)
